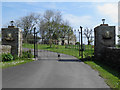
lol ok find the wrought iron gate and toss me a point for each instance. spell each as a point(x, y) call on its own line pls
point(48, 48)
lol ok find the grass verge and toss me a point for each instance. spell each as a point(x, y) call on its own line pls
point(14, 63)
point(110, 76)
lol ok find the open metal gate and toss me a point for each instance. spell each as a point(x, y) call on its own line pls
point(78, 45)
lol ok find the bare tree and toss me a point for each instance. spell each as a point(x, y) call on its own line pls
point(48, 17)
point(88, 33)
point(27, 23)
point(42, 30)
point(51, 25)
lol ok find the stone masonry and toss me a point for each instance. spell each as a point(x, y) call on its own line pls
point(12, 36)
point(5, 49)
point(104, 37)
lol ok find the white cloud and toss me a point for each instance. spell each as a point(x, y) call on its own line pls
point(76, 21)
point(110, 11)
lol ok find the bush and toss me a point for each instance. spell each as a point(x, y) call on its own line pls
point(7, 57)
point(77, 43)
point(27, 54)
point(24, 54)
point(15, 57)
point(30, 54)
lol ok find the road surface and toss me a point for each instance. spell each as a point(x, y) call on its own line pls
point(49, 72)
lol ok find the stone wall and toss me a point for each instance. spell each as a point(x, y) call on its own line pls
point(5, 49)
point(111, 57)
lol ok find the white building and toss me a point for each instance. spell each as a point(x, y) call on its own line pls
point(64, 41)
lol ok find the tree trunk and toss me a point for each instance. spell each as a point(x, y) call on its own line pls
point(88, 42)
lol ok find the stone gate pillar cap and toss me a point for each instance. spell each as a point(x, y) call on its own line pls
point(104, 25)
point(11, 27)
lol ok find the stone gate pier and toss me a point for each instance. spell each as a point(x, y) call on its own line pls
point(104, 37)
point(105, 49)
point(13, 36)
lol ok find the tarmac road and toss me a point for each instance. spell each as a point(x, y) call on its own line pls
point(49, 72)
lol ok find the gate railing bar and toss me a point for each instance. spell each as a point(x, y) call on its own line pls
point(34, 41)
point(81, 43)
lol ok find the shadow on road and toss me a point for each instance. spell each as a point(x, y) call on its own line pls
point(69, 60)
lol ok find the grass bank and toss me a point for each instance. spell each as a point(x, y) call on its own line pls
point(14, 63)
point(110, 76)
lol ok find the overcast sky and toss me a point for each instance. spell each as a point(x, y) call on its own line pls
point(87, 13)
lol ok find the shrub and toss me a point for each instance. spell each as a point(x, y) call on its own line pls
point(7, 57)
point(86, 54)
point(77, 43)
point(27, 54)
point(24, 54)
point(30, 54)
point(15, 57)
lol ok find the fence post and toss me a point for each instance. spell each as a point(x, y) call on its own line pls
point(34, 41)
point(81, 43)
point(36, 45)
point(68, 36)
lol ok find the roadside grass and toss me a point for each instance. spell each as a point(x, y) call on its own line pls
point(110, 76)
point(14, 62)
point(0, 64)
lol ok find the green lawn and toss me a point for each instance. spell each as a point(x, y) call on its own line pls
point(70, 50)
point(14, 63)
point(110, 76)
